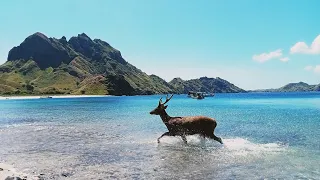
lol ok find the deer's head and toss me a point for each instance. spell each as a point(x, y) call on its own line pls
point(161, 107)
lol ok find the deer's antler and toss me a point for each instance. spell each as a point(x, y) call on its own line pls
point(167, 99)
point(160, 101)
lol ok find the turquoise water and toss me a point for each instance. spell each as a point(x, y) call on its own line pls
point(265, 135)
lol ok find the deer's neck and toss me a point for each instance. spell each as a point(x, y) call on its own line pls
point(165, 117)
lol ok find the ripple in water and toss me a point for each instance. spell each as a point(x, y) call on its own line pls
point(87, 151)
point(84, 140)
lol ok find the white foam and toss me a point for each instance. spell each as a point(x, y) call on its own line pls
point(233, 146)
point(240, 146)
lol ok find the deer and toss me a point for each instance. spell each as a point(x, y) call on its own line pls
point(183, 126)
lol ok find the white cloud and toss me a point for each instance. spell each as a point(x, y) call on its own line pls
point(284, 59)
point(308, 68)
point(267, 56)
point(315, 69)
point(302, 47)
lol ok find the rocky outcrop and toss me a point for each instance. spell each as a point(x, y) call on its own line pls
point(46, 52)
point(96, 50)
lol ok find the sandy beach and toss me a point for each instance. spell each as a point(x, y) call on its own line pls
point(51, 96)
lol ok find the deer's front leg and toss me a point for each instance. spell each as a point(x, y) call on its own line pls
point(184, 139)
point(164, 134)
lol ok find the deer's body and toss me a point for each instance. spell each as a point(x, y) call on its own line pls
point(190, 125)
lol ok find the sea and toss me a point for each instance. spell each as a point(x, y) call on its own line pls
point(265, 136)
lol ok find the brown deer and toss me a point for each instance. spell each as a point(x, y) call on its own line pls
point(182, 126)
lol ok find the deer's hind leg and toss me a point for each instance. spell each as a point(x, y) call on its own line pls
point(212, 136)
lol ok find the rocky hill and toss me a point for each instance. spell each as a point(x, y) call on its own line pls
point(80, 65)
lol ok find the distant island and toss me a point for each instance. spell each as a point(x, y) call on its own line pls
point(80, 65)
point(292, 87)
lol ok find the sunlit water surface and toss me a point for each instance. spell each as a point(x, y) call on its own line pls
point(265, 135)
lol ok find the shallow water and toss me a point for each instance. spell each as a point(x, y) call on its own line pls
point(265, 135)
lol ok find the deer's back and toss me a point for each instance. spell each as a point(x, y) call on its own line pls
point(192, 124)
point(199, 119)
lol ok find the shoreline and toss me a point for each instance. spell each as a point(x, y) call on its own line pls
point(50, 96)
point(88, 96)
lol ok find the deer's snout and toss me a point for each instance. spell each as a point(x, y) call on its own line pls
point(153, 111)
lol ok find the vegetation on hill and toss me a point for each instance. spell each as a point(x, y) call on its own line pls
point(42, 65)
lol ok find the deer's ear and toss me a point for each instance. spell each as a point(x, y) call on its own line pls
point(165, 107)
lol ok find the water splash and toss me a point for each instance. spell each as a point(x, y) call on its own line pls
point(243, 147)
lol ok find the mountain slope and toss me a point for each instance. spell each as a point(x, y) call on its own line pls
point(42, 65)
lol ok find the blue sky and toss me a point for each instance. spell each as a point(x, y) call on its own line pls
point(253, 44)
